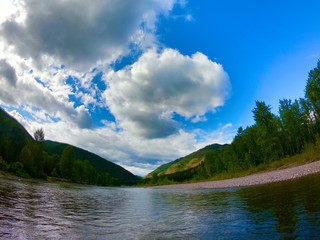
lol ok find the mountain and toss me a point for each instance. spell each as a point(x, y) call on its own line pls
point(20, 154)
point(13, 137)
point(102, 165)
point(185, 164)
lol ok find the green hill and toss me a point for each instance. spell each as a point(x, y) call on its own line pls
point(13, 137)
point(185, 164)
point(102, 165)
point(20, 154)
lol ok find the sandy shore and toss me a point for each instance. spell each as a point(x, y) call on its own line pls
point(254, 179)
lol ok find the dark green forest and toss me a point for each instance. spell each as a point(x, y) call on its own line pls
point(273, 137)
point(27, 156)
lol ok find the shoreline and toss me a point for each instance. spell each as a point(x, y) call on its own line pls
point(254, 179)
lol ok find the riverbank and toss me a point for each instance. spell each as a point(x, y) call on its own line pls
point(254, 179)
point(8, 175)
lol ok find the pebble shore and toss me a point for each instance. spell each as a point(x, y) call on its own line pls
point(254, 179)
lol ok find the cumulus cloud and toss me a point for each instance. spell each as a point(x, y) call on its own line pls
point(144, 96)
point(80, 33)
point(40, 37)
point(26, 91)
point(7, 73)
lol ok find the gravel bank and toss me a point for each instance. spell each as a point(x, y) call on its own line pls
point(254, 179)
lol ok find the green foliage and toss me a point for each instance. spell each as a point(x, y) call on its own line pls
point(268, 132)
point(3, 165)
point(17, 169)
point(31, 157)
point(27, 159)
point(66, 163)
point(294, 126)
point(313, 89)
point(50, 164)
point(13, 137)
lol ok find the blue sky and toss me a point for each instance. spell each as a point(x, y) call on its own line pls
point(144, 82)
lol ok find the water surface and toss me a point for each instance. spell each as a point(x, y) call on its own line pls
point(38, 210)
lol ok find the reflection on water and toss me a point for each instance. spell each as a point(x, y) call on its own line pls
point(36, 210)
point(285, 210)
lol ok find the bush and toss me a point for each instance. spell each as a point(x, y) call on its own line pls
point(3, 165)
point(17, 169)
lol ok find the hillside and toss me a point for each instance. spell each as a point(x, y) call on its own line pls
point(101, 164)
point(13, 137)
point(186, 163)
point(21, 155)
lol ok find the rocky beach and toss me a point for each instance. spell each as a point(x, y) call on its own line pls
point(254, 179)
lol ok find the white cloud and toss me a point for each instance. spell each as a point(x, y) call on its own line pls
point(26, 91)
point(144, 96)
point(80, 33)
point(7, 10)
point(223, 134)
point(37, 38)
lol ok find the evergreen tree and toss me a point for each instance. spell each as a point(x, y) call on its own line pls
point(39, 135)
point(268, 138)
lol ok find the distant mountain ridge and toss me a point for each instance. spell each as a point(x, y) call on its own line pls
point(186, 163)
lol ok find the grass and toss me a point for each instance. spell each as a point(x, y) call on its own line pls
point(184, 165)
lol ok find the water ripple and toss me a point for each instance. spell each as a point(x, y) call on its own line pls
point(37, 210)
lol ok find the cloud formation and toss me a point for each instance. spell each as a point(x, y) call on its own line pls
point(80, 33)
point(26, 91)
point(144, 96)
point(7, 73)
point(39, 37)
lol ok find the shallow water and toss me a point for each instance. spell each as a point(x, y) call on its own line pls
point(37, 210)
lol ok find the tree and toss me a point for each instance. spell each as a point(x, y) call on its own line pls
point(27, 159)
point(66, 162)
point(308, 117)
point(293, 125)
point(268, 126)
point(39, 135)
point(246, 147)
point(313, 90)
point(31, 157)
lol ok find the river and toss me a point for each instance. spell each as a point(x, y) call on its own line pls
point(39, 210)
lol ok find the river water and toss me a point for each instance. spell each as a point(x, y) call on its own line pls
point(38, 210)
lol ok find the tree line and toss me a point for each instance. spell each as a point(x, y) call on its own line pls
point(271, 138)
point(33, 161)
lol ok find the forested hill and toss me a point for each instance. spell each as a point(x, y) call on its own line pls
point(13, 137)
point(96, 161)
point(185, 166)
point(22, 155)
point(291, 135)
